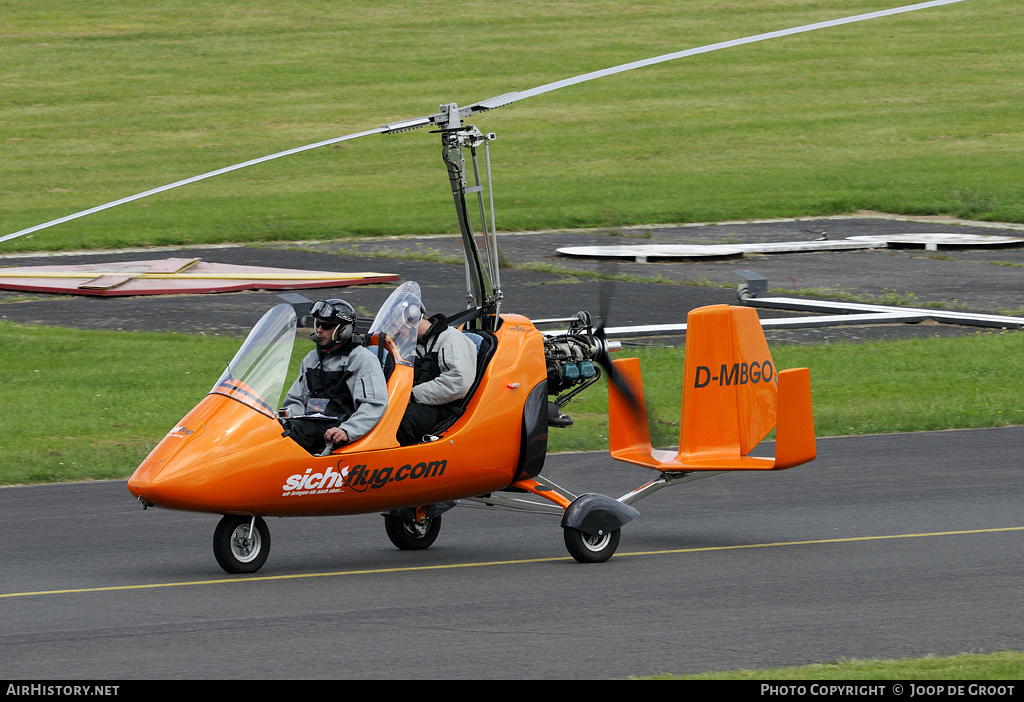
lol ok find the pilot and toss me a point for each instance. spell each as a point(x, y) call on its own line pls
point(443, 373)
point(340, 393)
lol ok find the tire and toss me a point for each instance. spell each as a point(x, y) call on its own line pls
point(411, 537)
point(590, 549)
point(235, 549)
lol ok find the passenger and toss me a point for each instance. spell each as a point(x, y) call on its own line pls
point(340, 393)
point(443, 373)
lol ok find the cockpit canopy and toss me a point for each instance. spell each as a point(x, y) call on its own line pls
point(399, 318)
point(257, 374)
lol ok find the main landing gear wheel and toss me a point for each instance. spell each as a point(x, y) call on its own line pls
point(410, 536)
point(240, 544)
point(590, 549)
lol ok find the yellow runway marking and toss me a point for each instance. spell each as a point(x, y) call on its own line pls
point(826, 541)
point(377, 571)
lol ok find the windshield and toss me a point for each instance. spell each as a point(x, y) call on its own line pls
point(257, 374)
point(399, 316)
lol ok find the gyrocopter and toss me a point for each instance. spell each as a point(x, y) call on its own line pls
point(229, 455)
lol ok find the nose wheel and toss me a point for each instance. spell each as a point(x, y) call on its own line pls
point(241, 544)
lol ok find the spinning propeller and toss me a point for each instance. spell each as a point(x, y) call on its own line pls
point(604, 347)
point(604, 359)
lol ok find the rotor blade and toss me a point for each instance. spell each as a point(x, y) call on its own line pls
point(193, 179)
point(509, 98)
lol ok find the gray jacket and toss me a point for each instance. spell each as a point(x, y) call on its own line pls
point(456, 356)
point(366, 385)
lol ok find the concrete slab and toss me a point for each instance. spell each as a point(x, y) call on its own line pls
point(645, 253)
point(941, 240)
point(642, 253)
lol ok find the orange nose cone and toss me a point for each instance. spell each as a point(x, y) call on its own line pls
point(196, 464)
point(160, 470)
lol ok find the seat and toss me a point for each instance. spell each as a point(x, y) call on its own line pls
point(486, 343)
point(384, 352)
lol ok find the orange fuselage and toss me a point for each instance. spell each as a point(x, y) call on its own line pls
point(225, 457)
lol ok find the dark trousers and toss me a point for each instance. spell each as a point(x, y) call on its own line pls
point(420, 420)
point(309, 433)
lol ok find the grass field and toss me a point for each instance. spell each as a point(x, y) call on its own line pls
point(918, 113)
point(973, 667)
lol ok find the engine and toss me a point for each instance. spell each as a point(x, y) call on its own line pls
point(574, 358)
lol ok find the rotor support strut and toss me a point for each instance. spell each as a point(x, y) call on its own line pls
point(483, 286)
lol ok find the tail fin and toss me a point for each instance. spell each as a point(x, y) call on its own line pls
point(732, 398)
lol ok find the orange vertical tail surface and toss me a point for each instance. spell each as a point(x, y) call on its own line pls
point(732, 398)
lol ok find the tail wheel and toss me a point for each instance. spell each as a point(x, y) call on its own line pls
point(241, 544)
point(590, 549)
point(410, 536)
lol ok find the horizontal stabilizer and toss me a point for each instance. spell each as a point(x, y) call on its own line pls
point(733, 397)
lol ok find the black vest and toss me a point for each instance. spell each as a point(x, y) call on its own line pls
point(427, 367)
point(332, 385)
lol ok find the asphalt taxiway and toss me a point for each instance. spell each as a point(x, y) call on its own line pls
point(890, 546)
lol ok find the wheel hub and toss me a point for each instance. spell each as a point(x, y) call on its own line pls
point(598, 541)
point(245, 546)
point(419, 529)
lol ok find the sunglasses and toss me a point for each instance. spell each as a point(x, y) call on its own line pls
point(324, 324)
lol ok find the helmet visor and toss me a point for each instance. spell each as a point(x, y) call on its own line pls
point(331, 314)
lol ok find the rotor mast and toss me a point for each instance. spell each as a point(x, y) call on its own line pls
point(483, 284)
